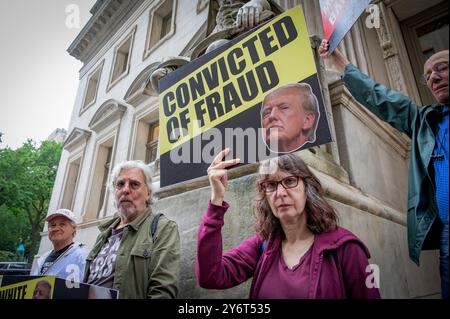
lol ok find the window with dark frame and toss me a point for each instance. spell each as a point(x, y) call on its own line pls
point(425, 34)
point(152, 143)
point(166, 24)
point(121, 59)
point(68, 199)
point(433, 36)
point(161, 23)
point(105, 179)
point(92, 87)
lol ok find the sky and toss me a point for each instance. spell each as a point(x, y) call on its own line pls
point(38, 77)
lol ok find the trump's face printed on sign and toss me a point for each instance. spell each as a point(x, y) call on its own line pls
point(289, 117)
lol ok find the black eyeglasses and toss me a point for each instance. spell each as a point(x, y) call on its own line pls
point(439, 68)
point(287, 182)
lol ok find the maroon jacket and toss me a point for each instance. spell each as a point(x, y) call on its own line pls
point(338, 267)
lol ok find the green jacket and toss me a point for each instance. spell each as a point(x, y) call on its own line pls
point(144, 269)
point(420, 124)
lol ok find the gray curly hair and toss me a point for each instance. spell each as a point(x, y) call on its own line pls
point(127, 165)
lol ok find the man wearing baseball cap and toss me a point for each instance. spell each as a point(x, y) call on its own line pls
point(67, 259)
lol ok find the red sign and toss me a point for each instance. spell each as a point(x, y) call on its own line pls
point(338, 16)
point(332, 11)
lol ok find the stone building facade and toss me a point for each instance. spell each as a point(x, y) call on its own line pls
point(58, 135)
point(364, 171)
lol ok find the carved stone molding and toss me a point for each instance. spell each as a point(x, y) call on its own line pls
point(334, 188)
point(322, 75)
point(75, 138)
point(340, 96)
point(390, 51)
point(107, 113)
point(201, 5)
point(101, 26)
point(141, 88)
point(310, 156)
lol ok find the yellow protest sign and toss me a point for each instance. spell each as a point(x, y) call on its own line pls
point(237, 79)
point(216, 100)
point(38, 288)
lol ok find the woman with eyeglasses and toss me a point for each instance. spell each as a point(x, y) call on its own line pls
point(298, 251)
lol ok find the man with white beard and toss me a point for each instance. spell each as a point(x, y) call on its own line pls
point(128, 255)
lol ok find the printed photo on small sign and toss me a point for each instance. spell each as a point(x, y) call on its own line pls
point(258, 94)
point(50, 287)
point(338, 16)
point(27, 287)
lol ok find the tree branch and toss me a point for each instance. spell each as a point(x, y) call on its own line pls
point(29, 214)
point(34, 206)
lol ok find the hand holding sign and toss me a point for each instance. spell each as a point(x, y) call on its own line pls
point(336, 58)
point(218, 176)
point(338, 16)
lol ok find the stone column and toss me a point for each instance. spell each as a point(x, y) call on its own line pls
point(390, 51)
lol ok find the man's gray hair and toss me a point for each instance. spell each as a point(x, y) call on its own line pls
point(128, 165)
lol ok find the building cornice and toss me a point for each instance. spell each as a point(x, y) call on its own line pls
point(340, 96)
point(76, 136)
point(107, 113)
point(141, 89)
point(106, 20)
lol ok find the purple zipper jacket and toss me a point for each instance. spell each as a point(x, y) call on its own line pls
point(338, 267)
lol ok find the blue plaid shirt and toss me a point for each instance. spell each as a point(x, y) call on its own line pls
point(440, 155)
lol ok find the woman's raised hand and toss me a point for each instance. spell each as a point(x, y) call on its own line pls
point(218, 176)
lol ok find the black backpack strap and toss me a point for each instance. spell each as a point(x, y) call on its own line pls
point(154, 225)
